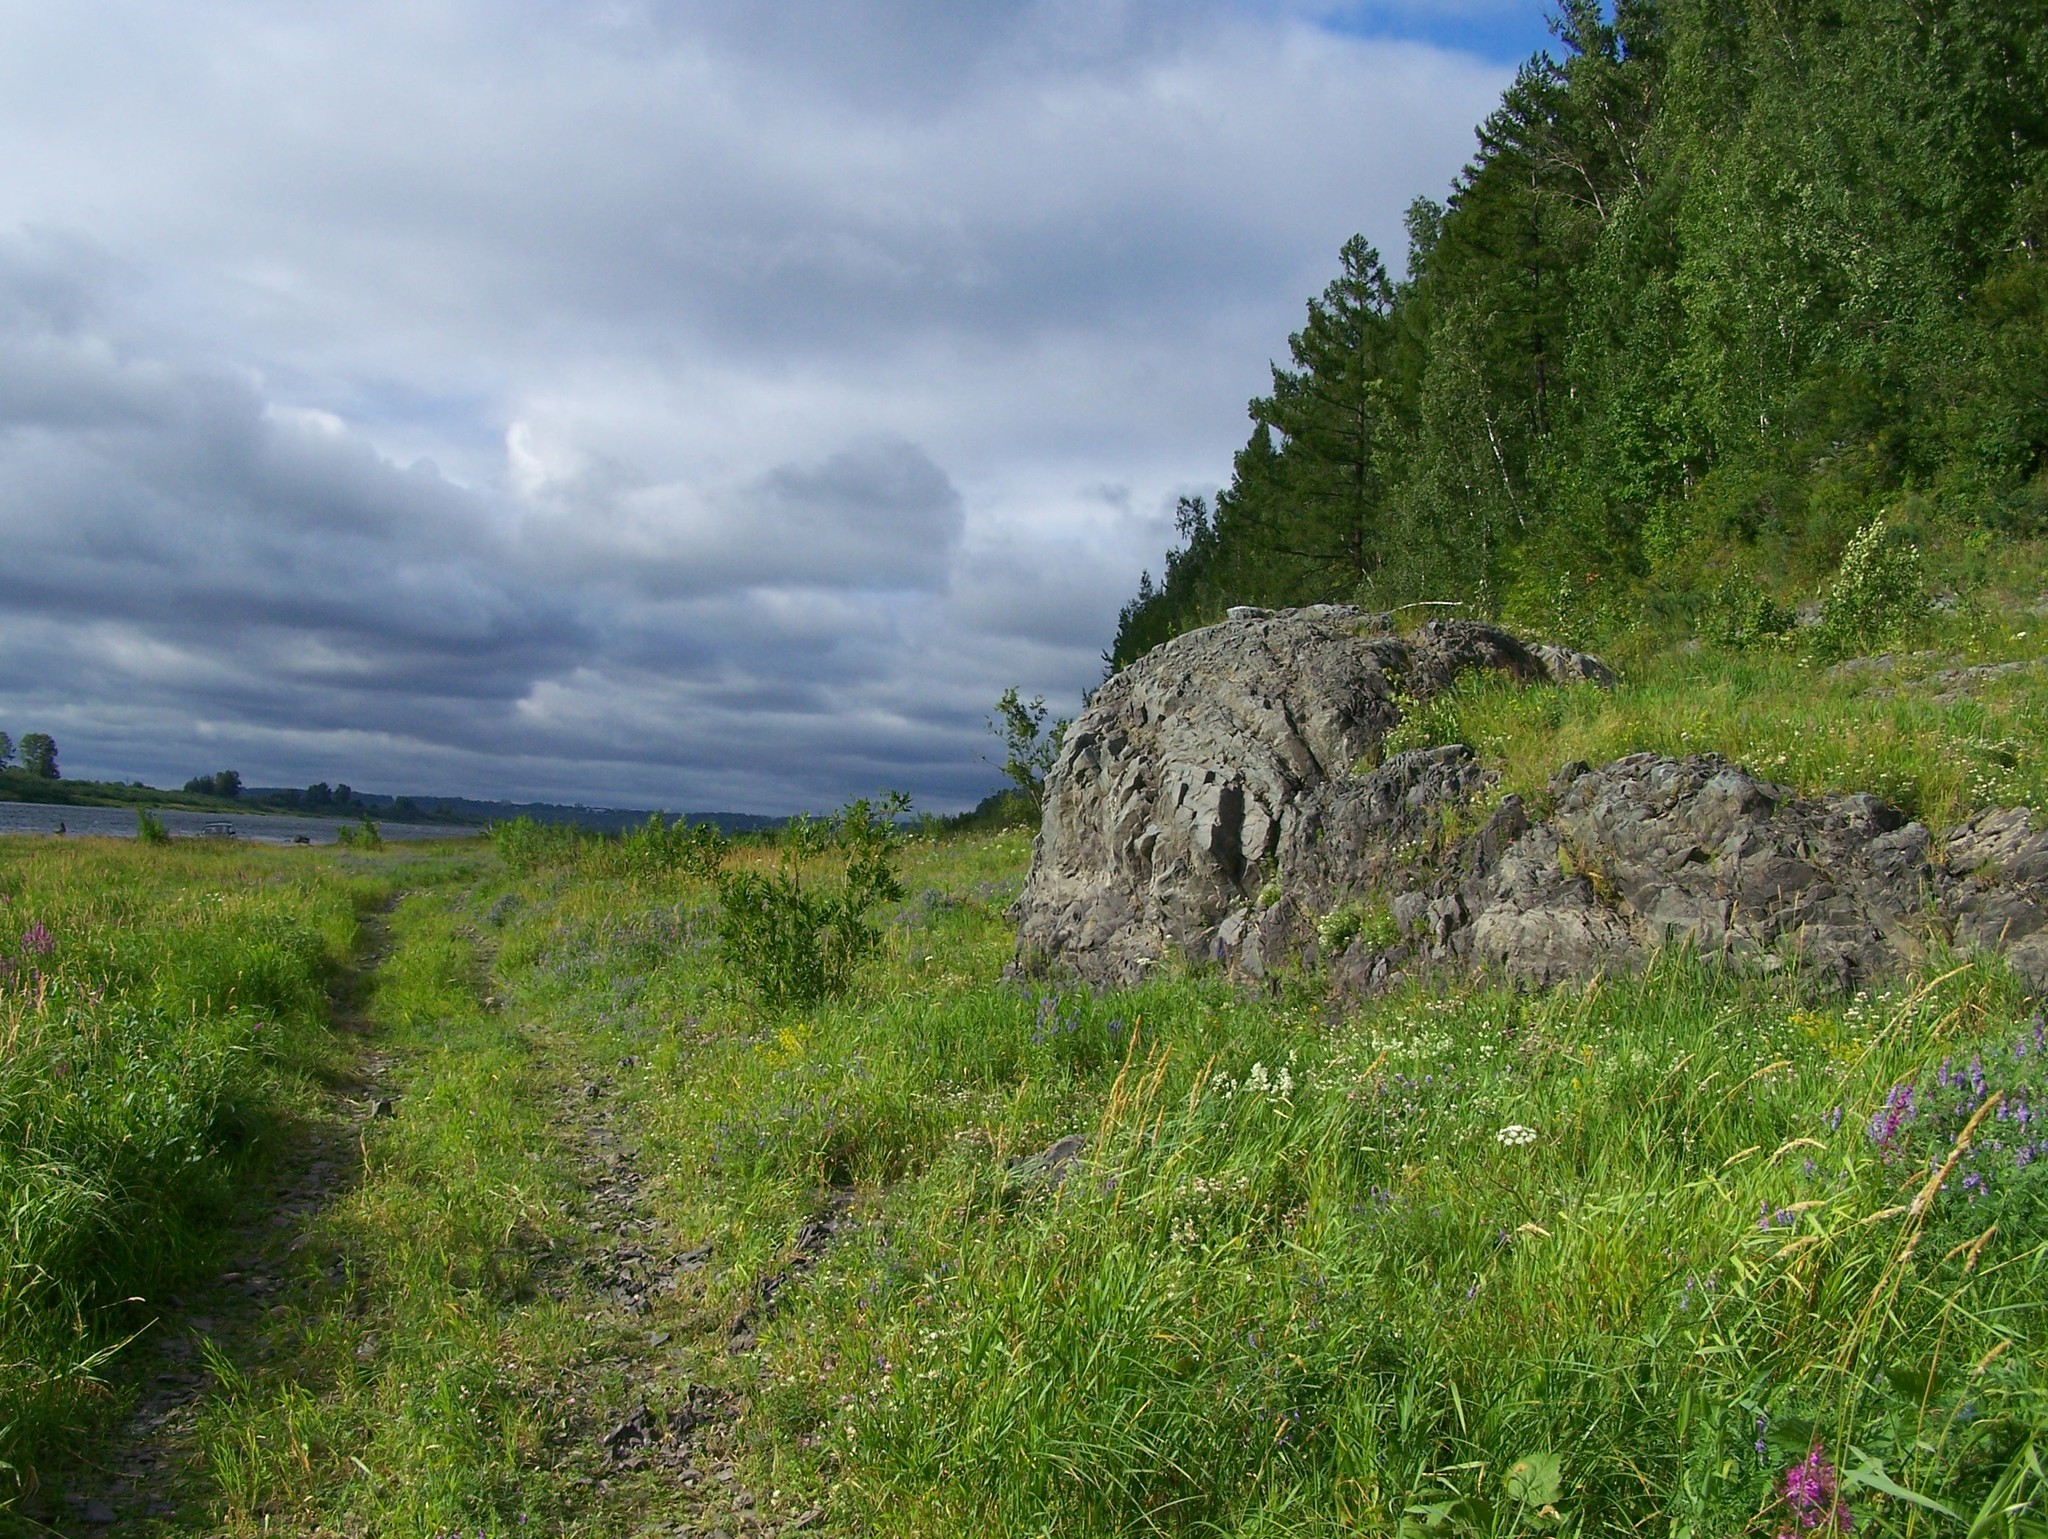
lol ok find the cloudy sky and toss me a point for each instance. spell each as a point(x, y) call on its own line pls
point(707, 405)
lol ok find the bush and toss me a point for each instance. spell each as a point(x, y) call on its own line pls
point(1366, 919)
point(149, 828)
point(1741, 615)
point(1877, 594)
point(656, 847)
point(365, 836)
point(793, 945)
point(526, 846)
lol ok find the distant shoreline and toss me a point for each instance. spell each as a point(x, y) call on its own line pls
point(448, 812)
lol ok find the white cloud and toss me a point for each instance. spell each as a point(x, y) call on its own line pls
point(708, 405)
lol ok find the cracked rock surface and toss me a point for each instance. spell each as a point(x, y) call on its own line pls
point(1223, 760)
point(1208, 805)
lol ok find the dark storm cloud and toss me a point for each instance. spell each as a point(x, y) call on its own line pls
point(713, 404)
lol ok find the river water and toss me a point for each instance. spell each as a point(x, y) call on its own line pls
point(259, 828)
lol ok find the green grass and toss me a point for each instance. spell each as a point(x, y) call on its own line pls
point(1936, 750)
point(161, 1011)
point(1300, 1284)
point(1606, 1259)
point(401, 1401)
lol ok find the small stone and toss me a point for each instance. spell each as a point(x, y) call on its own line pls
point(383, 1106)
point(658, 1339)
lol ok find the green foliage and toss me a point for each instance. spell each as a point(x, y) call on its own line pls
point(365, 835)
point(657, 848)
point(1357, 919)
point(525, 845)
point(1722, 284)
point(1740, 613)
point(796, 944)
point(149, 828)
point(223, 783)
point(39, 755)
point(1877, 595)
point(1426, 723)
point(6, 750)
point(1030, 748)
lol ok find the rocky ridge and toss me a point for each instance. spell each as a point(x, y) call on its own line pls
point(1216, 802)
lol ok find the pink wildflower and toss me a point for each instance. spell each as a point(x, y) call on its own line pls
point(36, 941)
point(1810, 1493)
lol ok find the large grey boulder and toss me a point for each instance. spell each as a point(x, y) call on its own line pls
point(1226, 760)
point(1224, 796)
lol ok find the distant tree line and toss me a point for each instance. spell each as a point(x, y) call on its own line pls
point(1726, 281)
point(319, 797)
point(38, 754)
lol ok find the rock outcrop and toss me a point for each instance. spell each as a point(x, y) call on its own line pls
point(1213, 803)
point(1222, 762)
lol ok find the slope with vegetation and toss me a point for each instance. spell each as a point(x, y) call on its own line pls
point(1724, 285)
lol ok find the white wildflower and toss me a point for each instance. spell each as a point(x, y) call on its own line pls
point(1515, 1134)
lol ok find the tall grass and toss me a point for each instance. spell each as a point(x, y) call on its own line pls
point(1611, 1257)
point(160, 1008)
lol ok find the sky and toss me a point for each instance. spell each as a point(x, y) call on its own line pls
point(709, 406)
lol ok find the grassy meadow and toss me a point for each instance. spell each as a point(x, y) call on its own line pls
point(641, 1253)
point(162, 1014)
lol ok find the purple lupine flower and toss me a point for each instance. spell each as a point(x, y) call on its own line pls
point(1941, 1075)
point(36, 941)
point(1810, 1492)
point(1896, 1112)
point(1977, 1076)
point(1835, 1117)
point(1975, 1184)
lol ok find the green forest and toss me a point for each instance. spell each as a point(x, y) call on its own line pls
point(1726, 282)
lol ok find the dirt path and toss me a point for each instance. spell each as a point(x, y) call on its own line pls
point(660, 1460)
point(146, 1469)
point(651, 1404)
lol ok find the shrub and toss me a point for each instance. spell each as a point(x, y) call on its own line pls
point(364, 836)
point(657, 847)
point(1877, 593)
point(792, 944)
point(526, 846)
point(149, 828)
point(1366, 919)
point(1741, 615)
